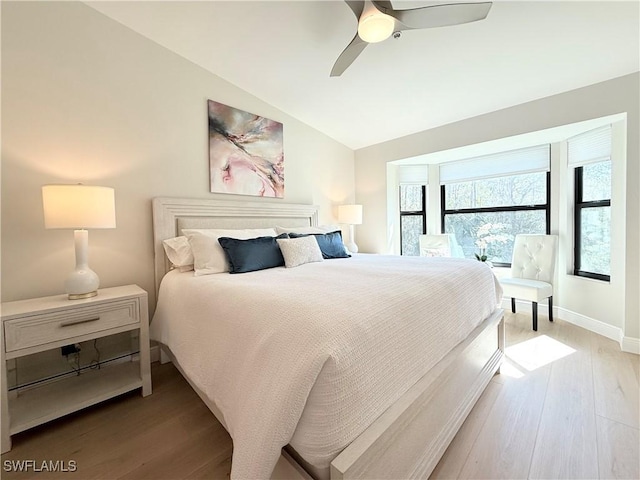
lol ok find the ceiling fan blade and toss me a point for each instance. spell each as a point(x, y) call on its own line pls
point(383, 5)
point(441, 15)
point(356, 7)
point(348, 55)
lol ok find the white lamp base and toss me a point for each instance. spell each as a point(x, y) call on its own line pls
point(82, 282)
point(353, 248)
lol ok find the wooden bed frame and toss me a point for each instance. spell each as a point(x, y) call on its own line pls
point(410, 437)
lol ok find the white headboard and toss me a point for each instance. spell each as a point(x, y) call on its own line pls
point(170, 215)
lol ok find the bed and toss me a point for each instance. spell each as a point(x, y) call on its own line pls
point(359, 394)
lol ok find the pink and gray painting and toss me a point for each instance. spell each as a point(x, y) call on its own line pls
point(246, 155)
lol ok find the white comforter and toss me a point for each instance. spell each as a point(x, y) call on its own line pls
point(341, 340)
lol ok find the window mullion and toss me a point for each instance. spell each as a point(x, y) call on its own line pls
point(505, 208)
point(595, 204)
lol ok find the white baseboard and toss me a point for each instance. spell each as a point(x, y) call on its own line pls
point(627, 344)
point(591, 324)
point(155, 353)
point(631, 345)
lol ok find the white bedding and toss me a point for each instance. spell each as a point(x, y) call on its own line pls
point(312, 355)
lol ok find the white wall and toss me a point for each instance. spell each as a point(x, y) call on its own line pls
point(84, 99)
point(620, 95)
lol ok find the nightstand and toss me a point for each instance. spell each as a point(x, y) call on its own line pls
point(40, 324)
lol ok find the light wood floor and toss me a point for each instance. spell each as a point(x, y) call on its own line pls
point(565, 406)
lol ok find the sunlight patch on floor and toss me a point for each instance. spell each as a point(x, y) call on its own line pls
point(509, 369)
point(537, 352)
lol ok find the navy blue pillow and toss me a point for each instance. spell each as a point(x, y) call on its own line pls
point(252, 254)
point(330, 244)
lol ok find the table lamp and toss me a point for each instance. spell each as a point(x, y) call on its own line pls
point(351, 215)
point(79, 207)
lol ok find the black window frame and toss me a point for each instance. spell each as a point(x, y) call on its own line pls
point(512, 208)
point(579, 205)
point(408, 213)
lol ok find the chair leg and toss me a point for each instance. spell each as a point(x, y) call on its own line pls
point(535, 316)
point(513, 305)
point(551, 309)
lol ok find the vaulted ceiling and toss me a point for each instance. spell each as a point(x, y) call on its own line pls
point(283, 51)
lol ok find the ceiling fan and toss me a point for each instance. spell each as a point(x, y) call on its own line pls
point(377, 21)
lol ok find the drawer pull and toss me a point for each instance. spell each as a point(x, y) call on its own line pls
point(78, 322)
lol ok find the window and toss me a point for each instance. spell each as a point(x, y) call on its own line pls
point(413, 207)
point(590, 155)
point(413, 218)
point(486, 201)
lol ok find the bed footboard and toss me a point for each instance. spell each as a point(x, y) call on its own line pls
point(408, 440)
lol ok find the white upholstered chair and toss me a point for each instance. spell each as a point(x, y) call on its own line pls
point(442, 245)
point(532, 270)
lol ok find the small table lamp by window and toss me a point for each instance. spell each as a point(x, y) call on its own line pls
point(351, 215)
point(79, 207)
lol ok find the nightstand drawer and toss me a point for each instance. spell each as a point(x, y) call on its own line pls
point(31, 331)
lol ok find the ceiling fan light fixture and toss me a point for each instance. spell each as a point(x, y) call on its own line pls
point(375, 27)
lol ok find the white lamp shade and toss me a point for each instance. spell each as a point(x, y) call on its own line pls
point(350, 214)
point(375, 27)
point(78, 206)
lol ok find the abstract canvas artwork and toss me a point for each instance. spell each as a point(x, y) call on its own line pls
point(246, 155)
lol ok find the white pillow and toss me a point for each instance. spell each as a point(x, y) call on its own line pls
point(308, 230)
point(178, 250)
point(208, 256)
point(298, 251)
